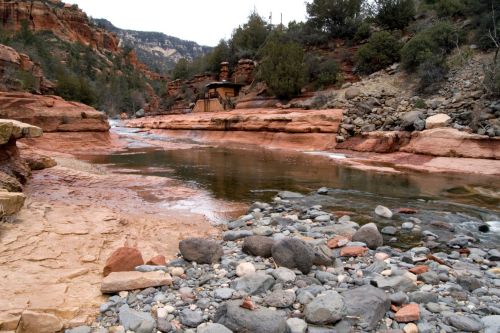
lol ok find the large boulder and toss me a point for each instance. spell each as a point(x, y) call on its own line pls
point(367, 304)
point(9, 183)
point(438, 120)
point(293, 253)
point(120, 281)
point(5, 131)
point(325, 309)
point(200, 250)
point(122, 260)
point(11, 202)
point(259, 246)
point(261, 320)
point(369, 235)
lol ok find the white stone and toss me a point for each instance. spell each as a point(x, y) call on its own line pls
point(383, 211)
point(438, 120)
point(245, 268)
point(177, 271)
point(296, 325)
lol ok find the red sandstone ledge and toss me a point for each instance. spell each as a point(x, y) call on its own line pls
point(51, 113)
point(252, 120)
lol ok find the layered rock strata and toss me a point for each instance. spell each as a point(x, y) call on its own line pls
point(51, 113)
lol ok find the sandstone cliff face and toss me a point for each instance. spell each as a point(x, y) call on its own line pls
point(51, 113)
point(67, 22)
point(12, 62)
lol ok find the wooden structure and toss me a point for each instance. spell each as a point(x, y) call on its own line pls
point(218, 97)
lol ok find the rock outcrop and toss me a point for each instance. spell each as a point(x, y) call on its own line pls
point(51, 113)
point(252, 120)
point(12, 62)
point(444, 142)
point(453, 143)
point(14, 170)
point(67, 22)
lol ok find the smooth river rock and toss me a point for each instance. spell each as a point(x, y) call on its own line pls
point(261, 320)
point(200, 250)
point(369, 235)
point(293, 253)
point(325, 309)
point(367, 303)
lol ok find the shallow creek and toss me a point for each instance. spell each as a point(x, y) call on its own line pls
point(245, 175)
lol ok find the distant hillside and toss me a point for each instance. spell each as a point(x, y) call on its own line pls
point(157, 50)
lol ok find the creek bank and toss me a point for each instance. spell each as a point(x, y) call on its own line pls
point(343, 286)
point(438, 150)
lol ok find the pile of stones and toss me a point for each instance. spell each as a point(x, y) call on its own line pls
point(286, 267)
point(462, 98)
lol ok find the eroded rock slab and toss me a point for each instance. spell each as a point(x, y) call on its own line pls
point(119, 281)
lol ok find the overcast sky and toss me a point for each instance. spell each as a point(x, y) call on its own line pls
point(202, 21)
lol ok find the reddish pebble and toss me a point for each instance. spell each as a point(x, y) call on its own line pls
point(124, 259)
point(421, 269)
point(341, 213)
point(157, 261)
point(337, 241)
point(406, 210)
point(247, 304)
point(353, 251)
point(407, 313)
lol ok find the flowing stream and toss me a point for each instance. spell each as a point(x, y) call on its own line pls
point(255, 174)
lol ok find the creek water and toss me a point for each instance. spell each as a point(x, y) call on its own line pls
point(246, 175)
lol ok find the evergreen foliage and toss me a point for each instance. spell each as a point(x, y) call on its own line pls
point(381, 51)
point(282, 66)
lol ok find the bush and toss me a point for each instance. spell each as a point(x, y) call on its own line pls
point(306, 34)
point(381, 51)
point(431, 72)
point(438, 40)
point(395, 14)
point(492, 79)
point(338, 17)
point(181, 70)
point(249, 38)
point(282, 67)
point(328, 72)
point(450, 8)
point(363, 32)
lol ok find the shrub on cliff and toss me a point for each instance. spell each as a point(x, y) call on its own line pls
point(248, 38)
point(381, 51)
point(395, 14)
point(437, 40)
point(282, 66)
point(338, 17)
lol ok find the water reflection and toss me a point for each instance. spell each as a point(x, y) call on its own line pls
point(249, 174)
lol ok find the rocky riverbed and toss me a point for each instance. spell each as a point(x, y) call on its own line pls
point(293, 266)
